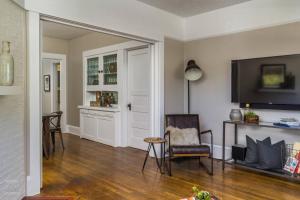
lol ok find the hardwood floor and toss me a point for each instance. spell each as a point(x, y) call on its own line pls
point(89, 170)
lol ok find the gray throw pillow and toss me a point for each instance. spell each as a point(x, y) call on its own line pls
point(252, 154)
point(271, 156)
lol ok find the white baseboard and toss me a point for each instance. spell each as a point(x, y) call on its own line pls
point(75, 130)
point(218, 151)
point(217, 148)
point(32, 188)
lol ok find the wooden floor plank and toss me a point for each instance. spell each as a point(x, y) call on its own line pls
point(89, 170)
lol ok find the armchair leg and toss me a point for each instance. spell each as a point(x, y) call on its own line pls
point(212, 166)
point(170, 173)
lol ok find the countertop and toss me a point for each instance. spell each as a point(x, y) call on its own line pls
point(107, 109)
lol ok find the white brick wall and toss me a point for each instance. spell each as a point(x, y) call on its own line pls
point(12, 134)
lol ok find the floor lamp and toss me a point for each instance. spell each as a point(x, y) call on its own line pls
point(192, 73)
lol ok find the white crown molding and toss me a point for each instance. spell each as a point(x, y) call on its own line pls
point(255, 14)
point(128, 17)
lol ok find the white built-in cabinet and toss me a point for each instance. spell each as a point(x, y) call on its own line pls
point(101, 72)
point(100, 126)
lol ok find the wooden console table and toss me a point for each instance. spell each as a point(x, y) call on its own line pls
point(261, 124)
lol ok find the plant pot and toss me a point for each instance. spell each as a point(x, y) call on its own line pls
point(251, 119)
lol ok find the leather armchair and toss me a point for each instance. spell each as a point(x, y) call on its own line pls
point(174, 151)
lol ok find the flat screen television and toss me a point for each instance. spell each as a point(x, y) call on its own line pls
point(267, 83)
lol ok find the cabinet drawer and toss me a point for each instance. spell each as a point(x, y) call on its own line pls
point(84, 111)
point(101, 113)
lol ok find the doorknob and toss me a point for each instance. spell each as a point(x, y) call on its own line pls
point(129, 106)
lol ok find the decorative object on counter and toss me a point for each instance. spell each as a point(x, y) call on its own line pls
point(98, 96)
point(95, 103)
point(109, 98)
point(47, 83)
point(6, 65)
point(289, 122)
point(236, 115)
point(250, 116)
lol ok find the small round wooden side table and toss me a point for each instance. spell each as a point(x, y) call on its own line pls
point(152, 141)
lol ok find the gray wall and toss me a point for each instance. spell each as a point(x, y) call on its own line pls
point(12, 135)
point(54, 45)
point(174, 79)
point(210, 97)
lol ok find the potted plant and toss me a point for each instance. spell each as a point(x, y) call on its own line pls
point(251, 117)
point(201, 195)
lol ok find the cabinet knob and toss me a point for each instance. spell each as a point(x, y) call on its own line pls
point(100, 71)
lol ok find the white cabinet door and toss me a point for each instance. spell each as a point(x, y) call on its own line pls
point(106, 130)
point(92, 73)
point(89, 127)
point(109, 73)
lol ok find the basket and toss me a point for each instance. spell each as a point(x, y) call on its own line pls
point(292, 156)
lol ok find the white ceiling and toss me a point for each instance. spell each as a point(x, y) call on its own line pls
point(187, 8)
point(61, 31)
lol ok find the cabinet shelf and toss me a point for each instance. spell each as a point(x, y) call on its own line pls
point(10, 90)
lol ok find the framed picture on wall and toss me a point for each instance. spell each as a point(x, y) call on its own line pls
point(273, 75)
point(47, 83)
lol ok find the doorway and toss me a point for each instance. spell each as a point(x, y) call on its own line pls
point(156, 93)
point(54, 97)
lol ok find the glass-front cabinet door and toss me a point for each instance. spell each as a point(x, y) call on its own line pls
point(102, 72)
point(93, 71)
point(110, 69)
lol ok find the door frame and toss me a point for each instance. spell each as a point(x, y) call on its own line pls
point(34, 124)
point(62, 58)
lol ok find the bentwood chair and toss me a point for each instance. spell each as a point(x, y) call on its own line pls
point(55, 127)
point(183, 121)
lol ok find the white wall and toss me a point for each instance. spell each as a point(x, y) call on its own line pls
point(126, 16)
point(174, 79)
point(211, 96)
point(250, 15)
point(12, 108)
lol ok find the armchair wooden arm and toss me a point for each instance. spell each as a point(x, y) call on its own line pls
point(167, 134)
point(211, 141)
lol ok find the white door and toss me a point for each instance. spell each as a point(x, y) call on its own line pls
point(139, 110)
